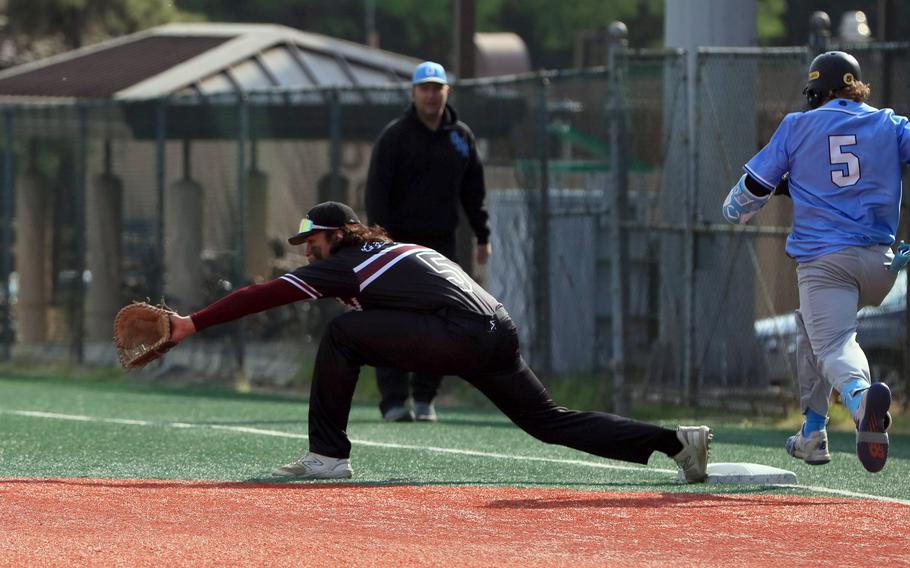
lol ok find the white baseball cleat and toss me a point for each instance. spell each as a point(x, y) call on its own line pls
point(812, 449)
point(315, 466)
point(693, 459)
point(424, 412)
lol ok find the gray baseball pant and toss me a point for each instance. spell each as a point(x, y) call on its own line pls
point(832, 289)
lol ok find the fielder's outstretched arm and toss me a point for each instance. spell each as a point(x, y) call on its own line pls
point(245, 301)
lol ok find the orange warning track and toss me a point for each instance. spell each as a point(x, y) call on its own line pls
point(123, 522)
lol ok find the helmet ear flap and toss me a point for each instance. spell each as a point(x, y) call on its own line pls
point(814, 98)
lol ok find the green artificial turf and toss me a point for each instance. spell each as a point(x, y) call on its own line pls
point(124, 429)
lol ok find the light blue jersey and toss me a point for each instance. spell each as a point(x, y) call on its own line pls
point(844, 160)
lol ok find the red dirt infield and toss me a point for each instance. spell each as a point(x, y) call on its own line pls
point(123, 522)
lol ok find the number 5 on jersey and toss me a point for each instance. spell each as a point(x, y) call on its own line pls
point(448, 269)
point(840, 158)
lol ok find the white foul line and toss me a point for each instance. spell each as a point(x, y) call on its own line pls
point(845, 493)
point(280, 434)
point(473, 453)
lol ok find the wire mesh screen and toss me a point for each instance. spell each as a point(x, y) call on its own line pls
point(604, 189)
point(737, 278)
point(508, 120)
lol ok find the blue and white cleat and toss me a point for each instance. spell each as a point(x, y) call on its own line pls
point(812, 449)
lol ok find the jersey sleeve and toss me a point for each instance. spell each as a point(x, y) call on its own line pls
point(247, 300)
point(773, 161)
point(332, 277)
point(329, 278)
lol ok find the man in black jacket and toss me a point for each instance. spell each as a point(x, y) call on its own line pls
point(424, 164)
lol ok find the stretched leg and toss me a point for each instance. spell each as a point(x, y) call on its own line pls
point(518, 393)
point(488, 359)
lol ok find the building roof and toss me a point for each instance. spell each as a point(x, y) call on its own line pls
point(205, 59)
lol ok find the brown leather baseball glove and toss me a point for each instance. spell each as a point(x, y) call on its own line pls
point(142, 333)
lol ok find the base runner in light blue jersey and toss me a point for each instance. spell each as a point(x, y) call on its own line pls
point(840, 162)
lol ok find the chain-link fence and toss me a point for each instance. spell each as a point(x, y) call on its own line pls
point(604, 189)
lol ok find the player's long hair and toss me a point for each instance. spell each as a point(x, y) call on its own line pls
point(356, 235)
point(856, 91)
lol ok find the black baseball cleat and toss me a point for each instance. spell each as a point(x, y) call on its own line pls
point(874, 420)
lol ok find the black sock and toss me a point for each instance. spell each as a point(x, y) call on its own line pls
point(669, 443)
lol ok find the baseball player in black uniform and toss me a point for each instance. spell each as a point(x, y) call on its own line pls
point(413, 308)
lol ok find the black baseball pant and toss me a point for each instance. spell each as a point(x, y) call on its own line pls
point(481, 349)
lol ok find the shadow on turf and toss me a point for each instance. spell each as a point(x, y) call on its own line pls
point(703, 500)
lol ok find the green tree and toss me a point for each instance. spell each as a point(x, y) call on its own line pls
point(425, 29)
point(771, 26)
point(79, 22)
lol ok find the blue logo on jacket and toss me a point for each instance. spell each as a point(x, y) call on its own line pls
point(459, 143)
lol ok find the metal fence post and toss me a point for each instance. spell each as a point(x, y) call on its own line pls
point(689, 374)
point(819, 32)
point(79, 293)
point(335, 146)
point(542, 236)
point(6, 235)
point(157, 285)
point(243, 138)
point(618, 210)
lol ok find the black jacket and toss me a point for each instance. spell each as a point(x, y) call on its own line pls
point(418, 176)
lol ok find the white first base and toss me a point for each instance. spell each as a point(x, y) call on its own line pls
point(746, 473)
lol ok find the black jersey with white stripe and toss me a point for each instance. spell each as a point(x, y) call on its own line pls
point(398, 276)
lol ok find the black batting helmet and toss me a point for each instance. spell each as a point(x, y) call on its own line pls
point(829, 72)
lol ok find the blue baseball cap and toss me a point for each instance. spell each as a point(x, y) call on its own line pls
point(429, 72)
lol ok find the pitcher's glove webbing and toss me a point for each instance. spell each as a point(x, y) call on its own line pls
point(142, 333)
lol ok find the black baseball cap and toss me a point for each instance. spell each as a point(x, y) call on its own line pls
point(326, 216)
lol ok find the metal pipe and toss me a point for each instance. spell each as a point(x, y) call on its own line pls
point(79, 295)
point(243, 138)
point(618, 241)
point(157, 284)
point(542, 236)
point(335, 147)
point(6, 236)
